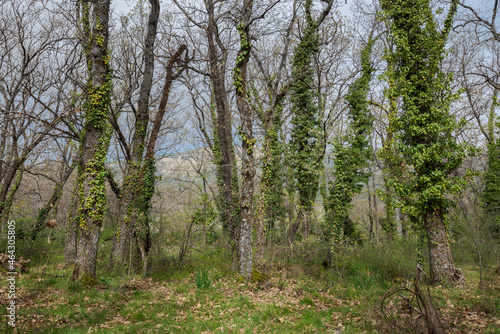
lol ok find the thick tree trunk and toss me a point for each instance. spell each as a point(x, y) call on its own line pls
point(92, 173)
point(440, 259)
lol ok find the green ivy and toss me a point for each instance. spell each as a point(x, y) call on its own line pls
point(424, 130)
point(352, 156)
point(305, 147)
point(491, 194)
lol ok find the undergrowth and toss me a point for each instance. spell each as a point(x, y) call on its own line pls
point(296, 293)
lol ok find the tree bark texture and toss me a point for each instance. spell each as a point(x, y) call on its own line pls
point(94, 146)
point(226, 164)
point(440, 259)
point(132, 182)
point(246, 134)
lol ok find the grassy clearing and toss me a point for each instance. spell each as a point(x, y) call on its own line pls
point(208, 297)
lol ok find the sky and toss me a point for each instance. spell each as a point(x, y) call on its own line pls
point(123, 6)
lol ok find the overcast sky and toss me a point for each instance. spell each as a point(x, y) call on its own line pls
point(122, 6)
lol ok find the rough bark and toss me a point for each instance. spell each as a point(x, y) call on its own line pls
point(92, 173)
point(132, 182)
point(217, 68)
point(440, 259)
point(246, 133)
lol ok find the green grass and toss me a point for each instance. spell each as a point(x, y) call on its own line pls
point(295, 297)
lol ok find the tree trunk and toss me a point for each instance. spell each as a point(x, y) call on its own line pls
point(302, 218)
point(133, 181)
point(226, 164)
point(43, 213)
point(8, 177)
point(71, 242)
point(440, 260)
point(92, 172)
point(247, 141)
point(10, 195)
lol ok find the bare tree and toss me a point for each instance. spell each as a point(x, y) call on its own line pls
point(212, 25)
point(30, 108)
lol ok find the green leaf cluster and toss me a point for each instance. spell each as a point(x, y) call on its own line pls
point(425, 127)
point(305, 146)
point(491, 194)
point(352, 156)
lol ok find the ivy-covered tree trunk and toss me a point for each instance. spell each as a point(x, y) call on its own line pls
point(271, 202)
point(305, 148)
point(272, 209)
point(132, 184)
point(353, 153)
point(392, 162)
point(247, 140)
point(491, 194)
point(72, 230)
point(425, 127)
point(92, 170)
point(138, 209)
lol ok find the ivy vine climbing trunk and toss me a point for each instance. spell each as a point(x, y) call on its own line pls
point(272, 208)
point(353, 153)
point(306, 151)
point(271, 202)
point(147, 175)
point(96, 136)
point(425, 126)
point(140, 181)
point(131, 188)
point(72, 230)
point(491, 193)
point(247, 140)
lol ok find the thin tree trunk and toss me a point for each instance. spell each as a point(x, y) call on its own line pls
point(71, 242)
point(228, 187)
point(246, 133)
point(375, 209)
point(10, 198)
point(43, 213)
point(132, 181)
point(370, 213)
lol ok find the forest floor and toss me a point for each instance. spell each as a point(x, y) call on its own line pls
point(287, 299)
